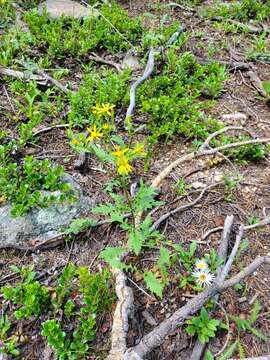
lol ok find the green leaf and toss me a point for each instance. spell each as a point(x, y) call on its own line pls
point(255, 312)
point(229, 352)
point(257, 333)
point(112, 256)
point(153, 284)
point(204, 315)
point(266, 87)
point(164, 258)
point(15, 269)
point(136, 240)
point(79, 225)
point(192, 248)
point(105, 209)
point(190, 329)
point(102, 155)
point(145, 198)
point(208, 355)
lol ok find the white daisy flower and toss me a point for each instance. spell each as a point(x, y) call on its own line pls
point(203, 278)
point(201, 265)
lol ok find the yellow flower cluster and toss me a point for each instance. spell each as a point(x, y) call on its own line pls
point(125, 155)
point(103, 109)
point(122, 161)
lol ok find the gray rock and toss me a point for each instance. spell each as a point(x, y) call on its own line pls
point(42, 224)
point(57, 8)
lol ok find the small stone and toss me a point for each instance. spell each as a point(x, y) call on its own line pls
point(58, 8)
point(130, 61)
point(198, 185)
point(242, 299)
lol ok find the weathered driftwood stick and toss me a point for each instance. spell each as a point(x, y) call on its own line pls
point(148, 70)
point(206, 144)
point(40, 76)
point(199, 347)
point(101, 60)
point(163, 174)
point(53, 81)
point(123, 309)
point(157, 336)
point(50, 128)
point(20, 74)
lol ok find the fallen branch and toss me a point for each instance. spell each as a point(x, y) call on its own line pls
point(53, 81)
point(50, 128)
point(156, 337)
point(206, 144)
point(181, 208)
point(148, 71)
point(40, 76)
point(22, 75)
point(199, 348)
point(101, 60)
point(123, 309)
point(164, 173)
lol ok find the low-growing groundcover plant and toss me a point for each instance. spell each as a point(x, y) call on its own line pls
point(69, 310)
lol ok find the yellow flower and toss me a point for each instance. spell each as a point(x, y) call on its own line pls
point(75, 141)
point(103, 109)
point(119, 152)
point(124, 168)
point(139, 150)
point(105, 126)
point(94, 133)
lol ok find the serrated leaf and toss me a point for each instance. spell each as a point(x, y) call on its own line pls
point(79, 225)
point(255, 312)
point(102, 154)
point(136, 240)
point(104, 209)
point(164, 257)
point(145, 198)
point(153, 284)
point(257, 333)
point(112, 256)
point(241, 350)
point(229, 352)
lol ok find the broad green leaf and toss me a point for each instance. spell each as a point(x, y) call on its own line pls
point(153, 284)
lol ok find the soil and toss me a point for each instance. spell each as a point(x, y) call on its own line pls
point(249, 200)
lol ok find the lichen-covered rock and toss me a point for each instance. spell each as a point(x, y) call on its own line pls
point(58, 8)
point(42, 224)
